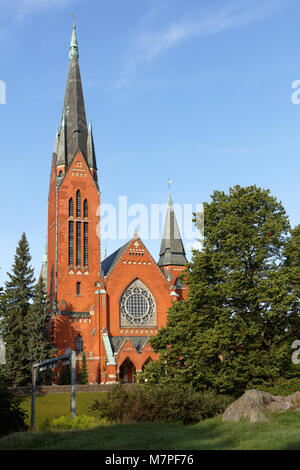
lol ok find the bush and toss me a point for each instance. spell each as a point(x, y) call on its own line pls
point(79, 422)
point(12, 417)
point(282, 387)
point(176, 404)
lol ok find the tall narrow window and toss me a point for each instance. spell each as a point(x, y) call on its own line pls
point(85, 243)
point(78, 204)
point(78, 243)
point(71, 207)
point(78, 288)
point(85, 209)
point(71, 243)
point(78, 344)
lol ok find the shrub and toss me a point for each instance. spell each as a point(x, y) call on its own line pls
point(282, 387)
point(173, 404)
point(12, 417)
point(78, 422)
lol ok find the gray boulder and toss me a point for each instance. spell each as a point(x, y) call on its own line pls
point(252, 405)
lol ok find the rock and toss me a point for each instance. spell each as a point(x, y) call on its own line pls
point(294, 398)
point(253, 403)
point(249, 406)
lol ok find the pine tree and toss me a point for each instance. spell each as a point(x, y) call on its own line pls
point(38, 345)
point(83, 374)
point(16, 309)
point(233, 331)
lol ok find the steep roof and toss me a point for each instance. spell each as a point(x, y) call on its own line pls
point(171, 249)
point(138, 342)
point(73, 132)
point(108, 263)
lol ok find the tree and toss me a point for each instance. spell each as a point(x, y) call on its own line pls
point(234, 330)
point(12, 416)
point(83, 374)
point(39, 347)
point(16, 309)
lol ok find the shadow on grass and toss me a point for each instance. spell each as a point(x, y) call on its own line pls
point(137, 436)
point(280, 433)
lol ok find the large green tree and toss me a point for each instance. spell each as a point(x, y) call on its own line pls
point(15, 310)
point(236, 328)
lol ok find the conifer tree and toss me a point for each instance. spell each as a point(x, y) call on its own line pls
point(16, 308)
point(236, 327)
point(83, 374)
point(38, 345)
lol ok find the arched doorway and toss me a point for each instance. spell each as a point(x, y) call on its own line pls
point(127, 370)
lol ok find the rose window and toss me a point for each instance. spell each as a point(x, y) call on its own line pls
point(137, 306)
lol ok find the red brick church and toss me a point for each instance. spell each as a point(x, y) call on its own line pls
point(107, 308)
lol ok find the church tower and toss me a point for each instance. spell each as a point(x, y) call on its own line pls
point(73, 251)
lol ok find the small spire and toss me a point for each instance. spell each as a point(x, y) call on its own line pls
point(170, 203)
point(74, 44)
point(91, 157)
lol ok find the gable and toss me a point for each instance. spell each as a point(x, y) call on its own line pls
point(132, 254)
point(78, 172)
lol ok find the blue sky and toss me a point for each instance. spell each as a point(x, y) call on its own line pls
point(198, 91)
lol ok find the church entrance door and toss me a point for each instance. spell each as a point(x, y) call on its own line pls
point(127, 371)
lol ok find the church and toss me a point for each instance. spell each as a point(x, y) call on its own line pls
point(110, 308)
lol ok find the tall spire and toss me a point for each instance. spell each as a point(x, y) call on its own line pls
point(172, 251)
point(74, 44)
point(76, 131)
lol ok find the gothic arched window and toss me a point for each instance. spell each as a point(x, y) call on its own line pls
point(85, 208)
point(78, 345)
point(71, 243)
point(78, 204)
point(71, 207)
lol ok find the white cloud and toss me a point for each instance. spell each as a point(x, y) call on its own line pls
point(237, 13)
point(23, 8)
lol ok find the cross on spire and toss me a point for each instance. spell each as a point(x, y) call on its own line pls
point(170, 203)
point(74, 45)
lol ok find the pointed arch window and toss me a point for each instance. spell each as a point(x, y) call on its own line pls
point(71, 243)
point(78, 204)
point(78, 243)
point(71, 207)
point(78, 344)
point(85, 208)
point(85, 243)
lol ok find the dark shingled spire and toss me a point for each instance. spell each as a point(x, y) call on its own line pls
point(171, 248)
point(73, 125)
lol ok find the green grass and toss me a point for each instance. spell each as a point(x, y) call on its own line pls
point(50, 406)
point(282, 432)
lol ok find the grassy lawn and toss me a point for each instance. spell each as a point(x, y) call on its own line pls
point(282, 432)
point(50, 406)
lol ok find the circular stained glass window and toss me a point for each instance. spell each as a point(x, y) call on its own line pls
point(137, 306)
